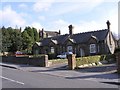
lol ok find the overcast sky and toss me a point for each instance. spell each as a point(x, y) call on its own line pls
point(55, 15)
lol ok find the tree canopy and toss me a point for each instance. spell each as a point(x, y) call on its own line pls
point(14, 40)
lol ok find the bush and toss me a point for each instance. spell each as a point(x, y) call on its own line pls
point(117, 50)
point(36, 55)
point(51, 56)
point(88, 60)
point(95, 59)
point(109, 57)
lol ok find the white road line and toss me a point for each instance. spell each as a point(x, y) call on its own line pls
point(12, 80)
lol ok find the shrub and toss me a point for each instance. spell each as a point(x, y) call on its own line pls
point(51, 56)
point(117, 50)
point(88, 60)
point(36, 55)
point(110, 57)
point(94, 59)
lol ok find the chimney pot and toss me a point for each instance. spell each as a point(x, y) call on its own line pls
point(108, 24)
point(70, 29)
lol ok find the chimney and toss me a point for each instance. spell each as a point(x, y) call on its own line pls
point(108, 24)
point(59, 32)
point(70, 29)
point(43, 33)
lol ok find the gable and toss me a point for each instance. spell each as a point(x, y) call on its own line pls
point(92, 40)
point(110, 42)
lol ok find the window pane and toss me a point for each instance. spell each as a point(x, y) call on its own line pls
point(92, 48)
point(52, 50)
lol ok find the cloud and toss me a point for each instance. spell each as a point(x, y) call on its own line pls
point(76, 6)
point(42, 5)
point(23, 6)
point(57, 0)
point(41, 18)
point(11, 18)
point(36, 25)
point(114, 21)
point(59, 25)
point(87, 26)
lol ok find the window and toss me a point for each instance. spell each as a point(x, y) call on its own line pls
point(52, 50)
point(92, 48)
point(69, 49)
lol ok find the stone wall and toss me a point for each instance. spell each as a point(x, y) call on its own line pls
point(36, 61)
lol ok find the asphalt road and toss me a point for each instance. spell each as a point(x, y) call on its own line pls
point(14, 78)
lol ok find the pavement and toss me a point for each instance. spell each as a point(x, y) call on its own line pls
point(15, 78)
point(104, 74)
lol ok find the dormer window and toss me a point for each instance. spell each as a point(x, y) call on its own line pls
point(92, 48)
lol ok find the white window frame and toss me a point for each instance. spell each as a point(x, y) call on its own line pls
point(69, 48)
point(52, 49)
point(92, 48)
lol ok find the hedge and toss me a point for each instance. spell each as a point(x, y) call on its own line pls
point(87, 60)
point(93, 59)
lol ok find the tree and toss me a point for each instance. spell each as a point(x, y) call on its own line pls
point(6, 42)
point(30, 36)
point(36, 35)
point(11, 40)
point(27, 43)
point(14, 40)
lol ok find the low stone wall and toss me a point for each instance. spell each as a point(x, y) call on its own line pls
point(36, 61)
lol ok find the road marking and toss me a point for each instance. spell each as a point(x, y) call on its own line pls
point(12, 80)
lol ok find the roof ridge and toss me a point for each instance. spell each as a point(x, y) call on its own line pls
point(90, 31)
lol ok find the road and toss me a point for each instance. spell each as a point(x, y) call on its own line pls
point(14, 78)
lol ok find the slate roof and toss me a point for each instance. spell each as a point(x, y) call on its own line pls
point(52, 33)
point(76, 38)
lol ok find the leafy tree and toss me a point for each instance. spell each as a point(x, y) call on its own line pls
point(11, 40)
point(14, 39)
point(36, 35)
point(27, 43)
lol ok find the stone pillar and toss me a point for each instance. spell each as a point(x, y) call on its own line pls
point(118, 61)
point(45, 61)
point(71, 61)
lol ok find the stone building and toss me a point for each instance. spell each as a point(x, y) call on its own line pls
point(46, 34)
point(82, 44)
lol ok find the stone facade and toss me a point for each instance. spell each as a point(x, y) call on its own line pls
point(81, 44)
point(46, 34)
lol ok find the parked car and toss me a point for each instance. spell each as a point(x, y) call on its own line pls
point(18, 53)
point(64, 55)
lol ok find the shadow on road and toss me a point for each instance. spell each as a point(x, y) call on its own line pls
point(100, 76)
point(115, 83)
point(50, 69)
point(98, 69)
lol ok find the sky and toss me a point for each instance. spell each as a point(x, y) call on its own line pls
point(55, 15)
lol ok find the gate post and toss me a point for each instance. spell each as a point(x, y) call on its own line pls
point(71, 61)
point(118, 61)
